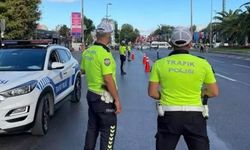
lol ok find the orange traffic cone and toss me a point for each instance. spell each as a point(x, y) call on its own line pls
point(144, 59)
point(147, 66)
point(133, 56)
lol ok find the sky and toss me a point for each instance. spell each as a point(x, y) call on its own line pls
point(145, 15)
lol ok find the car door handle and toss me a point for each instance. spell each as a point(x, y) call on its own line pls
point(65, 73)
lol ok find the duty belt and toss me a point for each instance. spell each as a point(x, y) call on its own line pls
point(183, 108)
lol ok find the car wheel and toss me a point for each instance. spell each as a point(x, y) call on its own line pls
point(41, 123)
point(76, 94)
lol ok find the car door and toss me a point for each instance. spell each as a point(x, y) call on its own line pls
point(56, 75)
point(67, 71)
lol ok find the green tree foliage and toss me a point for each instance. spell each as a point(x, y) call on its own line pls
point(116, 30)
point(89, 28)
point(128, 33)
point(64, 31)
point(163, 32)
point(228, 25)
point(232, 26)
point(21, 17)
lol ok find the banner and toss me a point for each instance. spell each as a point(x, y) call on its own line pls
point(76, 24)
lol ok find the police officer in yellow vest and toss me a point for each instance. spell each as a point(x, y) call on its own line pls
point(100, 68)
point(180, 77)
point(122, 50)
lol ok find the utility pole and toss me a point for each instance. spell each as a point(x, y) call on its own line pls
point(223, 5)
point(211, 26)
point(107, 11)
point(82, 26)
point(191, 17)
point(2, 29)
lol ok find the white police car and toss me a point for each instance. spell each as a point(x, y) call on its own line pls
point(33, 79)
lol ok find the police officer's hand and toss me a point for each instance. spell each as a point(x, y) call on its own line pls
point(118, 106)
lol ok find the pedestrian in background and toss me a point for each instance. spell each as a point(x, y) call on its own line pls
point(129, 48)
point(122, 50)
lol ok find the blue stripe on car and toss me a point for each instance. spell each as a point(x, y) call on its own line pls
point(77, 68)
point(58, 88)
point(61, 86)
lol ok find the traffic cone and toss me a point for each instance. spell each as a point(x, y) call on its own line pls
point(133, 56)
point(147, 66)
point(144, 59)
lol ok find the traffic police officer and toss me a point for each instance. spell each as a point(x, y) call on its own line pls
point(99, 66)
point(180, 77)
point(122, 50)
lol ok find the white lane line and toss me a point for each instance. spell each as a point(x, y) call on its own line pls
point(219, 61)
point(244, 83)
point(243, 66)
point(215, 141)
point(230, 79)
point(223, 72)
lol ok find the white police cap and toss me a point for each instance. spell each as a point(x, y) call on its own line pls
point(104, 27)
point(181, 36)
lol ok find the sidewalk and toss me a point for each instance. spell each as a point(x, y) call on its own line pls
point(245, 55)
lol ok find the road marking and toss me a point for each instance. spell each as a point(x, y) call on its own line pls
point(223, 72)
point(243, 66)
point(215, 141)
point(225, 77)
point(218, 61)
point(244, 83)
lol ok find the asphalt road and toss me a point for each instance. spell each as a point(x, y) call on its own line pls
point(228, 125)
point(229, 122)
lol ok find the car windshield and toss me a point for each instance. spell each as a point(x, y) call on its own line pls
point(22, 59)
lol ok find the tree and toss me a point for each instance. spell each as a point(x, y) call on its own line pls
point(64, 31)
point(116, 30)
point(233, 26)
point(245, 23)
point(21, 17)
point(128, 33)
point(229, 25)
point(163, 32)
point(89, 28)
point(194, 28)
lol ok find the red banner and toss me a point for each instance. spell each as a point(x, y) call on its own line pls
point(76, 23)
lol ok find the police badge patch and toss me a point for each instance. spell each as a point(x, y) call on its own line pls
point(107, 61)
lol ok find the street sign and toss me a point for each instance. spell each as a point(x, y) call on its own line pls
point(2, 24)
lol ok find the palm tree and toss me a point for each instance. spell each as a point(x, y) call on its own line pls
point(228, 25)
point(245, 22)
point(247, 3)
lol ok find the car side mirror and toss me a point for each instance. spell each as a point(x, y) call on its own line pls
point(57, 65)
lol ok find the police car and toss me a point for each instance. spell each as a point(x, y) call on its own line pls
point(33, 79)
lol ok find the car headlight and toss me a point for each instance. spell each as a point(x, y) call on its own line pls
point(20, 90)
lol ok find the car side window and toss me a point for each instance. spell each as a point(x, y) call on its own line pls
point(69, 54)
point(53, 58)
point(64, 57)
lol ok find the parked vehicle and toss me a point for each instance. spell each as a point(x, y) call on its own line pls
point(33, 79)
